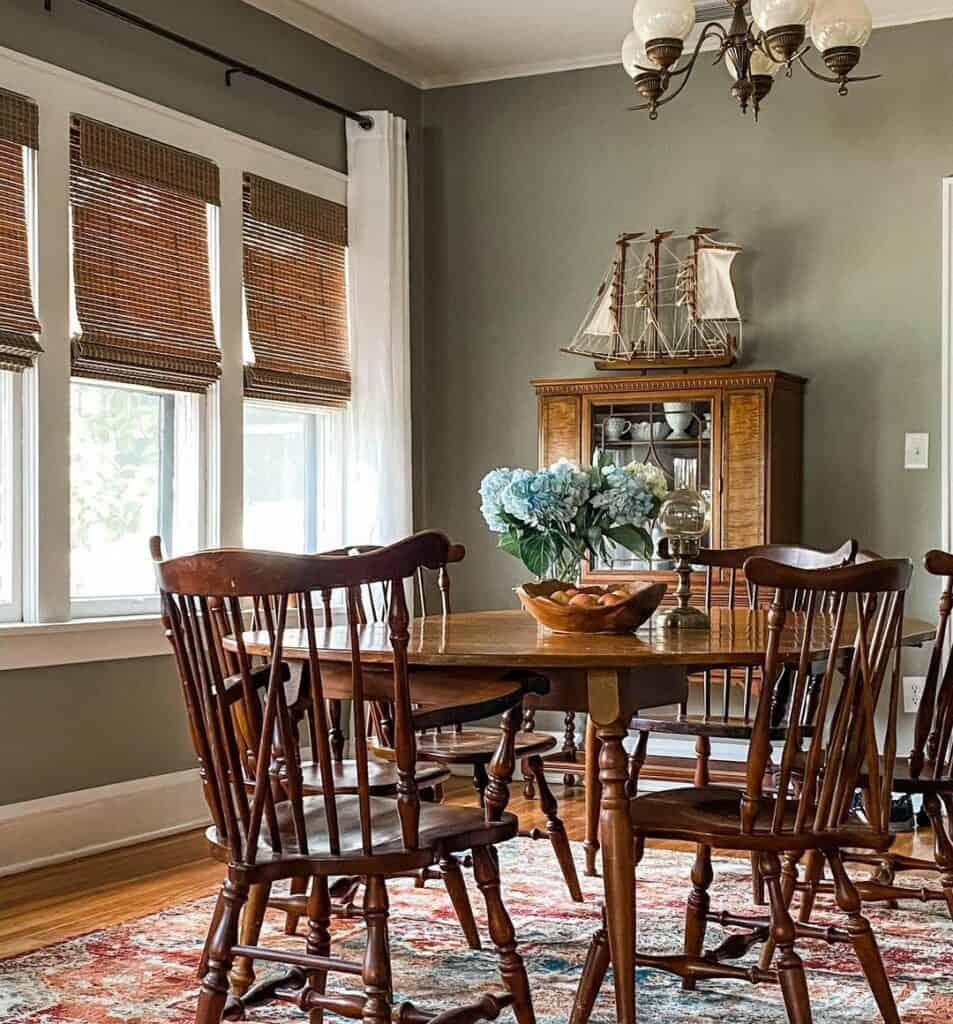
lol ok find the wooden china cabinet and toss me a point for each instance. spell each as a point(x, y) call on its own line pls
point(743, 428)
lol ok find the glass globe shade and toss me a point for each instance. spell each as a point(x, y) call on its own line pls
point(770, 14)
point(841, 23)
point(634, 56)
point(663, 19)
point(684, 513)
point(760, 65)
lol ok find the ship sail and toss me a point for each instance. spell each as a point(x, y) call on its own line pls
point(715, 292)
point(601, 321)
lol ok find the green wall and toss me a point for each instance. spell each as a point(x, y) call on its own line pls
point(74, 727)
point(837, 202)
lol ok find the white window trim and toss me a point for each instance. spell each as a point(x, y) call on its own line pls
point(946, 407)
point(58, 93)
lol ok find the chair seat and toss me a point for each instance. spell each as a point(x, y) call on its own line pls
point(477, 746)
point(731, 728)
point(381, 777)
point(929, 779)
point(712, 815)
point(443, 829)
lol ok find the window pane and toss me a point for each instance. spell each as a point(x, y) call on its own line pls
point(8, 493)
point(116, 454)
point(279, 475)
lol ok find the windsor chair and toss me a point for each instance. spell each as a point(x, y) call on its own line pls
point(448, 742)
point(263, 836)
point(809, 807)
point(721, 717)
point(382, 776)
point(927, 771)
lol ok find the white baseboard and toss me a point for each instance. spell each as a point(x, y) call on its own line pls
point(54, 829)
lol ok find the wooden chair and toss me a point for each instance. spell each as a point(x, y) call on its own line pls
point(927, 771)
point(809, 813)
point(264, 836)
point(718, 720)
point(448, 743)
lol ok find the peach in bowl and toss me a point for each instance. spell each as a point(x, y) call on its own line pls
point(618, 608)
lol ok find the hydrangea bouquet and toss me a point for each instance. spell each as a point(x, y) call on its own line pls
point(554, 518)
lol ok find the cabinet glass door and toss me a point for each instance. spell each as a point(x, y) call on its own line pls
point(660, 433)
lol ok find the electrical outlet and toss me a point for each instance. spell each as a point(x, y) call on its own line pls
point(913, 693)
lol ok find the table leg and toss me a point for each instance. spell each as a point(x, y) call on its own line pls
point(618, 864)
point(503, 765)
point(593, 797)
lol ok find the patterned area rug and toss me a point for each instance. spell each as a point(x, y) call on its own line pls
point(143, 972)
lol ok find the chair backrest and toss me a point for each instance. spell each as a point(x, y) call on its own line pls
point(732, 561)
point(867, 617)
point(210, 595)
point(373, 598)
point(932, 754)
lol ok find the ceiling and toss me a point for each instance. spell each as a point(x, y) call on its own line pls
point(433, 43)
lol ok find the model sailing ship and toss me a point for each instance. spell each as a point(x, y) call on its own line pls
point(666, 301)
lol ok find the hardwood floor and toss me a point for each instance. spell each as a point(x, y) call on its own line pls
point(36, 908)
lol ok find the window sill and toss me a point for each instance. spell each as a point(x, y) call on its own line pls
point(34, 645)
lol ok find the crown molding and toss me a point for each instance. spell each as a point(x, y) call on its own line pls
point(351, 40)
point(305, 17)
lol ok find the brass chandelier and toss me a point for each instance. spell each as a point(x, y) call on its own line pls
point(753, 49)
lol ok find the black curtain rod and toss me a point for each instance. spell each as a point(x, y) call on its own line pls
point(233, 67)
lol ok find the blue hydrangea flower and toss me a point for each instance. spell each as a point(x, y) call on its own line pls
point(626, 500)
point(491, 493)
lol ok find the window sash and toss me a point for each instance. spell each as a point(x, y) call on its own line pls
point(11, 467)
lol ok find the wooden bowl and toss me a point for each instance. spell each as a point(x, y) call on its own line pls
point(637, 604)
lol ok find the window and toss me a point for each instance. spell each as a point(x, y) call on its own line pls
point(132, 458)
point(10, 532)
point(19, 327)
point(144, 353)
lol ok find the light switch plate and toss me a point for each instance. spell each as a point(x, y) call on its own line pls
point(917, 452)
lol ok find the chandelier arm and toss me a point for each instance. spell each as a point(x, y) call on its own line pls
point(830, 78)
point(668, 99)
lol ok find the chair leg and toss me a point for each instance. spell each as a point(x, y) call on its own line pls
point(460, 898)
point(942, 845)
point(593, 975)
point(797, 1001)
point(480, 783)
point(862, 936)
point(376, 973)
point(696, 911)
point(243, 972)
point(512, 969)
point(202, 968)
point(319, 938)
point(555, 827)
point(214, 992)
point(636, 764)
point(593, 797)
point(299, 886)
point(702, 760)
point(336, 733)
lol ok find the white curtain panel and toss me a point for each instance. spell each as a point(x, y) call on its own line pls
point(377, 453)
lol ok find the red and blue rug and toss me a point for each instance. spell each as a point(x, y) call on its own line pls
point(143, 972)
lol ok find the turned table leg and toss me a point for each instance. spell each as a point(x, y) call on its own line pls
point(607, 711)
point(593, 797)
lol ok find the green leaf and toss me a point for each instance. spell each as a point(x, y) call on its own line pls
point(633, 538)
point(537, 553)
point(510, 543)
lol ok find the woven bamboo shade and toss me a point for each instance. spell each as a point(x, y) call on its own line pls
point(18, 323)
point(295, 266)
point(141, 265)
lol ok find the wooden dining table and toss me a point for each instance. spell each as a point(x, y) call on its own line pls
point(608, 677)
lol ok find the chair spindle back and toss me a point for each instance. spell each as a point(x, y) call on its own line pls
point(211, 595)
point(932, 753)
point(868, 600)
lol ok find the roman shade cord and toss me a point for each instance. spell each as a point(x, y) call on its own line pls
point(19, 130)
point(234, 67)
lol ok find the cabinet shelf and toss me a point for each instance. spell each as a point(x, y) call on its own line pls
point(677, 442)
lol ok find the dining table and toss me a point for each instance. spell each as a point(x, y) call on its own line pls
point(609, 677)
